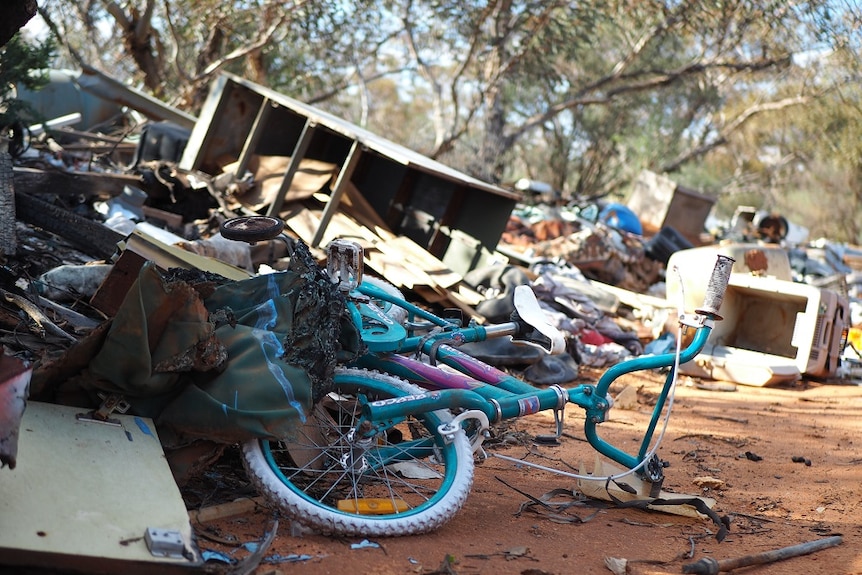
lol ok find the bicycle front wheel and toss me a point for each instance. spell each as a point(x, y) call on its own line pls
point(397, 314)
point(405, 482)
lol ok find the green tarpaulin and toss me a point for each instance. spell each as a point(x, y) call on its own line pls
point(246, 360)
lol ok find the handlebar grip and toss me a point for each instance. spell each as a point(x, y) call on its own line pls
point(717, 286)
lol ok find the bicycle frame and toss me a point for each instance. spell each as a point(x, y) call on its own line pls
point(475, 385)
point(389, 450)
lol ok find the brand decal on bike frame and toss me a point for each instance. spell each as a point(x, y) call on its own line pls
point(404, 399)
point(528, 405)
point(379, 314)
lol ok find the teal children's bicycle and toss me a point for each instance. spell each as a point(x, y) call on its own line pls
point(391, 449)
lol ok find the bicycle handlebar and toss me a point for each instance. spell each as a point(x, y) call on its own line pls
point(716, 287)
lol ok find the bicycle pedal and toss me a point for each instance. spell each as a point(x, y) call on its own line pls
point(344, 264)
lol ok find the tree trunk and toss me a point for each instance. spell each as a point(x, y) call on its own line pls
point(494, 143)
point(13, 15)
point(8, 237)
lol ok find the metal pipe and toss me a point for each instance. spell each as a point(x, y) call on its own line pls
point(710, 566)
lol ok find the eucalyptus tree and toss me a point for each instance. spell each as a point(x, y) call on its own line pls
point(580, 94)
point(606, 88)
point(173, 48)
point(807, 164)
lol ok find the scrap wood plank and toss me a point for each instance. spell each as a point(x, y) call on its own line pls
point(430, 295)
point(357, 207)
point(400, 250)
point(440, 274)
point(85, 493)
point(389, 261)
point(426, 282)
point(396, 258)
point(381, 256)
point(356, 220)
point(143, 242)
point(396, 270)
point(467, 294)
point(455, 298)
point(304, 224)
point(633, 299)
point(461, 293)
point(224, 510)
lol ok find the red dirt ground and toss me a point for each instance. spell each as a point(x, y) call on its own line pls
point(747, 438)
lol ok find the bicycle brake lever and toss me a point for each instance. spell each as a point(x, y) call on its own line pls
point(531, 313)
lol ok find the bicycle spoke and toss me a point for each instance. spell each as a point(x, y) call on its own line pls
point(383, 477)
point(400, 480)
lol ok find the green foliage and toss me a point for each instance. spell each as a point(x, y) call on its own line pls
point(583, 95)
point(21, 64)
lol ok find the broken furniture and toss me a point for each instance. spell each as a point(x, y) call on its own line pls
point(773, 329)
point(149, 243)
point(456, 218)
point(97, 97)
point(660, 203)
point(94, 496)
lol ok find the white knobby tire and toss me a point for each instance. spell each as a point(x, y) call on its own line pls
point(307, 477)
point(395, 313)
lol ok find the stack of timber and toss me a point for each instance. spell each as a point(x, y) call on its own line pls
point(397, 259)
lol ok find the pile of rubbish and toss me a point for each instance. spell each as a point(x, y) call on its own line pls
point(94, 207)
point(805, 294)
point(119, 291)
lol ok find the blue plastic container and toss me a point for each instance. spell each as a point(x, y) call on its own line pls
point(622, 218)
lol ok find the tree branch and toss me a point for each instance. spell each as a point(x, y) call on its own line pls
point(657, 79)
point(175, 48)
point(114, 10)
point(56, 32)
point(143, 26)
point(240, 52)
point(642, 43)
point(732, 127)
point(426, 71)
point(341, 86)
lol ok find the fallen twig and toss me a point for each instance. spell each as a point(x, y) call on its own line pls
point(743, 420)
